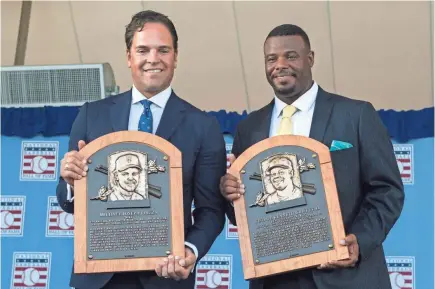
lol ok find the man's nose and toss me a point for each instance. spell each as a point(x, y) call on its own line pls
point(281, 63)
point(153, 56)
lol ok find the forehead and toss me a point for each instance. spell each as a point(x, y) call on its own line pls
point(277, 44)
point(153, 34)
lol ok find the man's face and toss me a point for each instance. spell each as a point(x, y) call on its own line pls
point(129, 179)
point(152, 59)
point(280, 178)
point(288, 65)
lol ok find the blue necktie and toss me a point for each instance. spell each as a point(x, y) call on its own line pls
point(146, 118)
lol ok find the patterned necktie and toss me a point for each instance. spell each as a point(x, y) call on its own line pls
point(285, 127)
point(146, 118)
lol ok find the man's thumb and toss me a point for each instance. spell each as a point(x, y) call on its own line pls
point(81, 144)
point(230, 160)
point(186, 262)
point(348, 240)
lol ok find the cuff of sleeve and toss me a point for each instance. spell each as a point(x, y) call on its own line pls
point(194, 249)
point(69, 193)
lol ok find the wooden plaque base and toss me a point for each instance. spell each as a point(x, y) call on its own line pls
point(83, 263)
point(318, 154)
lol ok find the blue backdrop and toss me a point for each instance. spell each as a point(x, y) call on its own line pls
point(37, 237)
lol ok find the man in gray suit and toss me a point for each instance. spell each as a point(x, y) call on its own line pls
point(368, 181)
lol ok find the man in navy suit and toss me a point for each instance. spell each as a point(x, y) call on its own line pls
point(369, 186)
point(152, 106)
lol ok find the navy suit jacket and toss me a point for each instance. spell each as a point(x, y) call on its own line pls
point(198, 137)
point(369, 185)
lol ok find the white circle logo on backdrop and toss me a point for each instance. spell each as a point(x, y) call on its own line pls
point(30, 277)
point(397, 280)
point(39, 164)
point(213, 279)
point(65, 220)
point(7, 219)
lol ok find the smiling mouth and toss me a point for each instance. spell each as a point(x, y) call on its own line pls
point(153, 70)
point(282, 77)
point(285, 75)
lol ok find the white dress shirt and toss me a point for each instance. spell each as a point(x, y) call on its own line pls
point(158, 103)
point(302, 118)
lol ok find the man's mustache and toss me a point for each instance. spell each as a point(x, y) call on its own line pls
point(132, 182)
point(284, 73)
point(280, 179)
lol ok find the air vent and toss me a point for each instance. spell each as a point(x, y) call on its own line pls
point(58, 85)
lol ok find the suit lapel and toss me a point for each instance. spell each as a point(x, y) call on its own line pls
point(120, 111)
point(173, 115)
point(261, 127)
point(322, 112)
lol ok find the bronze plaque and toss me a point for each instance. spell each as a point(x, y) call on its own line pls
point(289, 217)
point(127, 208)
point(128, 203)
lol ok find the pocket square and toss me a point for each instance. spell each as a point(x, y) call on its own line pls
point(337, 145)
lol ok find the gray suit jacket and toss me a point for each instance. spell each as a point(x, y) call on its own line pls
point(368, 180)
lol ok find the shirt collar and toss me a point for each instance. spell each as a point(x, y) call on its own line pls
point(303, 103)
point(160, 99)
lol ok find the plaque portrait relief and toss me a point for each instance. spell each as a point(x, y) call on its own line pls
point(281, 177)
point(127, 173)
point(128, 177)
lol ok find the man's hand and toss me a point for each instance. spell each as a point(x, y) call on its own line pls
point(73, 166)
point(352, 244)
point(231, 188)
point(176, 267)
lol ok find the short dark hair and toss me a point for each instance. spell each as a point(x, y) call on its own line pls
point(289, 30)
point(141, 18)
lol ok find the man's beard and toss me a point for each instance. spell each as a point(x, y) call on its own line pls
point(284, 91)
point(281, 91)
